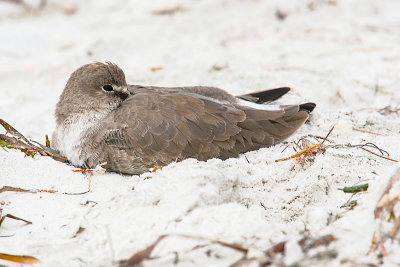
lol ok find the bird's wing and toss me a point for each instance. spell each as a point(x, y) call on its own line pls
point(207, 91)
point(259, 97)
point(155, 128)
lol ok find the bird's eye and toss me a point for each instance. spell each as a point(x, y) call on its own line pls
point(108, 88)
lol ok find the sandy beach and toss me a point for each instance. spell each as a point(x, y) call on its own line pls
point(342, 55)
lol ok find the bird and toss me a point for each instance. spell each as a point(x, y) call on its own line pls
point(128, 129)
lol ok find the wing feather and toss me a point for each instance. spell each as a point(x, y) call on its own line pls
point(156, 126)
point(160, 127)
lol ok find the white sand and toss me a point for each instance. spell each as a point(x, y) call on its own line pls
point(333, 55)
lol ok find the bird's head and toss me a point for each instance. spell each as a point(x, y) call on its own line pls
point(97, 87)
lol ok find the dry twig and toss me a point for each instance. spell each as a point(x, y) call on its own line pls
point(20, 142)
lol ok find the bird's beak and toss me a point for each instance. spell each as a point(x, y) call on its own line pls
point(122, 91)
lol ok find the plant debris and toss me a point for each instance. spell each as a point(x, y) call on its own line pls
point(350, 204)
point(156, 68)
point(307, 243)
point(354, 188)
point(19, 258)
point(365, 131)
point(144, 254)
point(389, 110)
point(2, 218)
point(99, 169)
point(47, 141)
point(375, 244)
point(20, 142)
point(383, 153)
point(309, 150)
point(168, 11)
point(17, 189)
point(141, 255)
point(388, 201)
point(266, 259)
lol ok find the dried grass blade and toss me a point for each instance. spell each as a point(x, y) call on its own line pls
point(14, 189)
point(365, 131)
point(13, 217)
point(378, 154)
point(141, 255)
point(19, 258)
point(300, 153)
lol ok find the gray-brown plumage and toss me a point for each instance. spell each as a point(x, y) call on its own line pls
point(133, 128)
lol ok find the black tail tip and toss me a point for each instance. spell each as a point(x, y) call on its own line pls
point(309, 107)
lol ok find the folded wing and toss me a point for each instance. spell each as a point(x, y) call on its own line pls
point(157, 127)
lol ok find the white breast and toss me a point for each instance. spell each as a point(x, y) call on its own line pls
point(68, 137)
